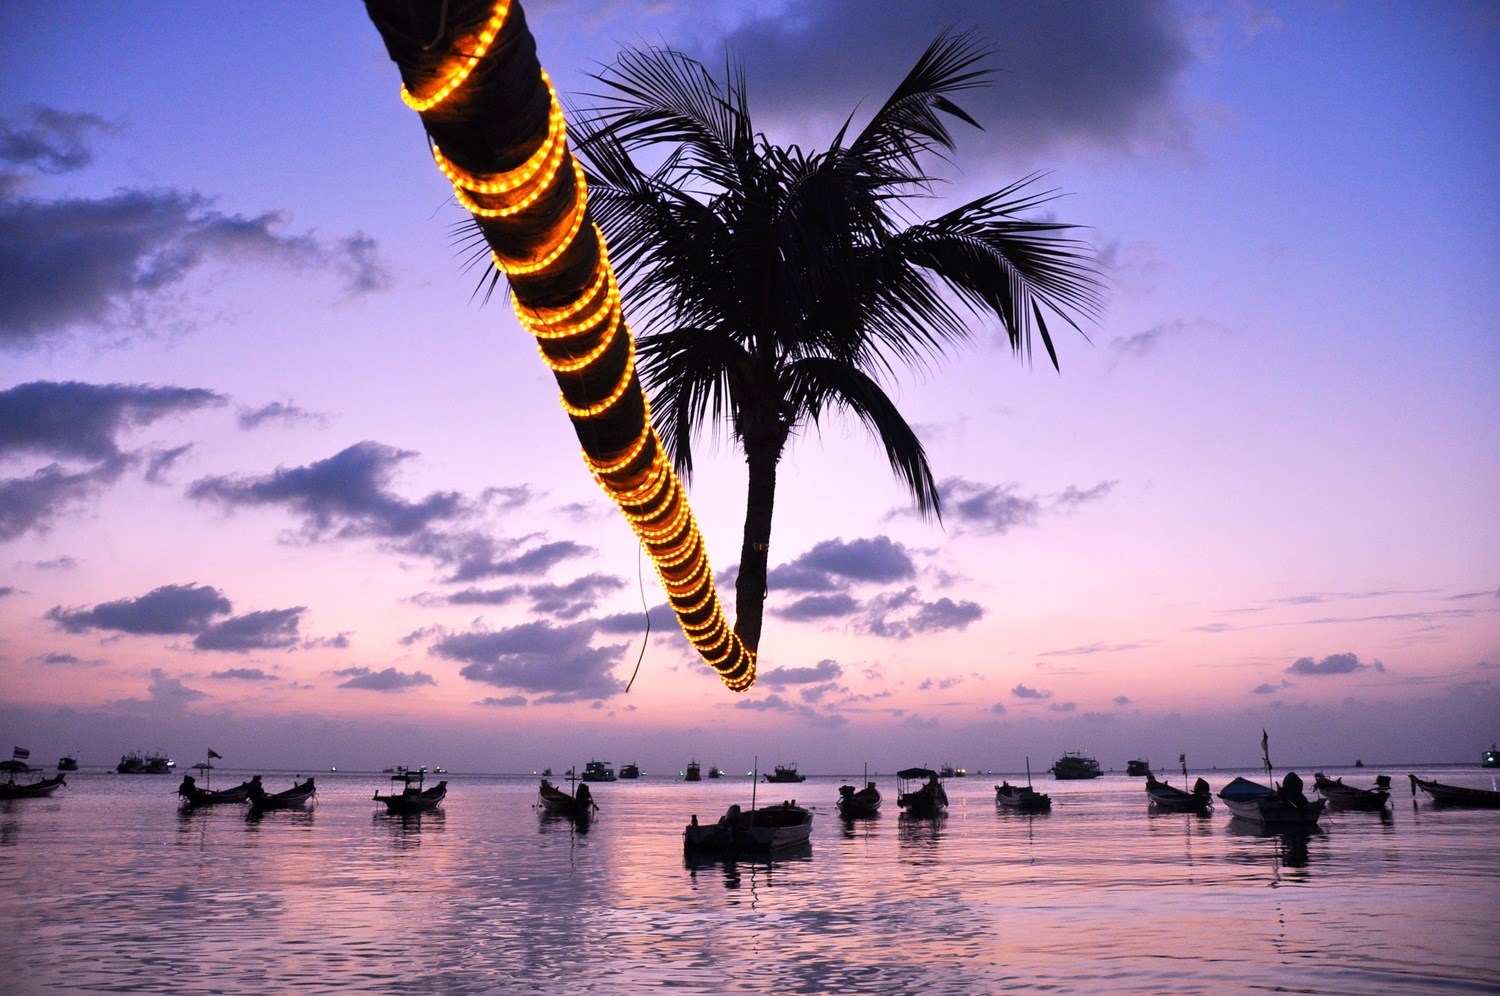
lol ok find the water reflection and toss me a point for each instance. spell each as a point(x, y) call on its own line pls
point(300, 818)
point(1290, 849)
point(917, 837)
point(405, 829)
point(550, 822)
point(752, 870)
point(862, 827)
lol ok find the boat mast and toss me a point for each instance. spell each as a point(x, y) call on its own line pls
point(1265, 753)
point(1028, 771)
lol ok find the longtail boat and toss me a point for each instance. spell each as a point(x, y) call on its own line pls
point(1456, 795)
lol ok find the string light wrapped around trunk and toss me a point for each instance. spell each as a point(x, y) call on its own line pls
point(497, 132)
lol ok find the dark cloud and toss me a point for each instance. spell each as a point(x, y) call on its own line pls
point(278, 411)
point(559, 662)
point(47, 140)
point(1072, 496)
point(780, 677)
point(491, 596)
point(903, 614)
point(1062, 706)
point(1332, 664)
point(6, 591)
point(73, 420)
point(1122, 700)
point(1266, 688)
point(243, 674)
point(388, 680)
point(572, 599)
point(163, 695)
point(34, 503)
point(168, 610)
point(832, 564)
point(508, 702)
point(268, 629)
point(1025, 692)
point(775, 703)
point(663, 620)
point(1093, 648)
point(810, 607)
point(346, 495)
point(74, 263)
point(1145, 343)
point(474, 556)
point(1101, 77)
point(999, 709)
point(58, 659)
point(990, 508)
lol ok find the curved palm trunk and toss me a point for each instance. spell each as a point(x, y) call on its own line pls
point(497, 132)
point(750, 586)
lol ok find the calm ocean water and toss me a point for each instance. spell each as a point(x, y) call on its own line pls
point(107, 887)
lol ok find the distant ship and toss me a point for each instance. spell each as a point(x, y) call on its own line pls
point(1491, 758)
point(599, 771)
point(136, 763)
point(1074, 765)
point(693, 773)
point(630, 771)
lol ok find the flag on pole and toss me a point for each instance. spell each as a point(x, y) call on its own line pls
point(213, 753)
point(21, 754)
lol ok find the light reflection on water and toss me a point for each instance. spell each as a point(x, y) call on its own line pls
point(108, 886)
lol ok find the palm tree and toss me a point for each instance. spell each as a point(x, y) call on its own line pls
point(775, 285)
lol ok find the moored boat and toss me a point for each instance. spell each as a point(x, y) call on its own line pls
point(1075, 765)
point(694, 773)
point(630, 771)
point(598, 771)
point(714, 771)
point(758, 831)
point(293, 798)
point(920, 793)
point(136, 763)
point(1138, 767)
point(67, 763)
point(412, 798)
point(1456, 795)
point(1341, 796)
point(785, 773)
point(1022, 798)
point(1170, 799)
point(859, 802)
point(579, 806)
point(192, 795)
point(1282, 807)
point(13, 789)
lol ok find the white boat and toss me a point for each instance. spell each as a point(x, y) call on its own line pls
point(1283, 806)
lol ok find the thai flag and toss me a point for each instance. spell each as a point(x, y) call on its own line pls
point(213, 753)
point(21, 754)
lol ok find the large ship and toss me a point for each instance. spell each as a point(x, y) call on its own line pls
point(598, 771)
point(1075, 765)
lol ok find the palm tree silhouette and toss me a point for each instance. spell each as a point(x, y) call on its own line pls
point(775, 285)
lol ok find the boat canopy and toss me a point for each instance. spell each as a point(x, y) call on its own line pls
point(1246, 790)
point(916, 773)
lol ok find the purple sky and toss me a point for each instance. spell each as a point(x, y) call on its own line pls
point(272, 481)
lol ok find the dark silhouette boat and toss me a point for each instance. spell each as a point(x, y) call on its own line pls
point(1022, 798)
point(1341, 796)
point(578, 806)
point(1074, 765)
point(1283, 806)
point(13, 789)
point(759, 831)
point(629, 772)
point(694, 773)
point(413, 798)
point(1170, 799)
point(192, 795)
point(785, 773)
point(920, 793)
point(1456, 795)
point(68, 763)
point(1138, 767)
point(293, 798)
point(598, 771)
point(859, 802)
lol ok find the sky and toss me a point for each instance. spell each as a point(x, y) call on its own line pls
point(273, 480)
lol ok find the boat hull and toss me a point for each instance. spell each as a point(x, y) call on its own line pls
point(1456, 795)
point(295, 797)
point(403, 803)
point(861, 802)
point(761, 831)
point(33, 790)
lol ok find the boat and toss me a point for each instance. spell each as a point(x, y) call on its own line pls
point(630, 771)
point(1022, 798)
point(412, 798)
point(859, 802)
point(1138, 767)
point(1075, 765)
point(136, 763)
point(919, 792)
point(1456, 795)
point(598, 771)
point(785, 773)
point(1341, 796)
point(293, 798)
point(759, 831)
point(1281, 807)
point(192, 795)
point(693, 773)
point(715, 772)
point(31, 790)
point(1491, 757)
point(1170, 799)
point(579, 806)
point(68, 763)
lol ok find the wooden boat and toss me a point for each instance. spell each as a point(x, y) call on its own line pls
point(598, 771)
point(577, 806)
point(412, 798)
point(31, 790)
point(1022, 798)
point(785, 773)
point(1138, 767)
point(714, 771)
point(859, 802)
point(1283, 807)
point(192, 795)
point(693, 773)
point(759, 831)
point(1171, 799)
point(630, 771)
point(69, 763)
point(293, 798)
point(919, 792)
point(1341, 796)
point(1073, 766)
point(1456, 795)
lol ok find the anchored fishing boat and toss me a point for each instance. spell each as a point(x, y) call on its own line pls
point(1075, 765)
point(920, 793)
point(1341, 796)
point(1171, 799)
point(1456, 795)
point(293, 798)
point(413, 798)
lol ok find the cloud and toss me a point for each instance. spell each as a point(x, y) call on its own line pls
point(1093, 648)
point(833, 563)
point(1072, 497)
point(168, 610)
point(903, 614)
point(1106, 81)
point(1062, 706)
point(573, 598)
point(557, 662)
point(268, 629)
point(34, 503)
point(389, 680)
point(1122, 700)
point(1332, 664)
point(47, 140)
point(663, 620)
point(7, 590)
point(243, 674)
point(55, 659)
point(474, 556)
point(1148, 341)
point(990, 508)
point(780, 677)
point(80, 263)
point(164, 694)
point(278, 411)
point(346, 495)
point(999, 709)
point(775, 703)
point(1266, 688)
point(492, 596)
point(1026, 692)
point(811, 607)
point(508, 702)
point(73, 420)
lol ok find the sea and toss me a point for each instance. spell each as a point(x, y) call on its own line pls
point(108, 887)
